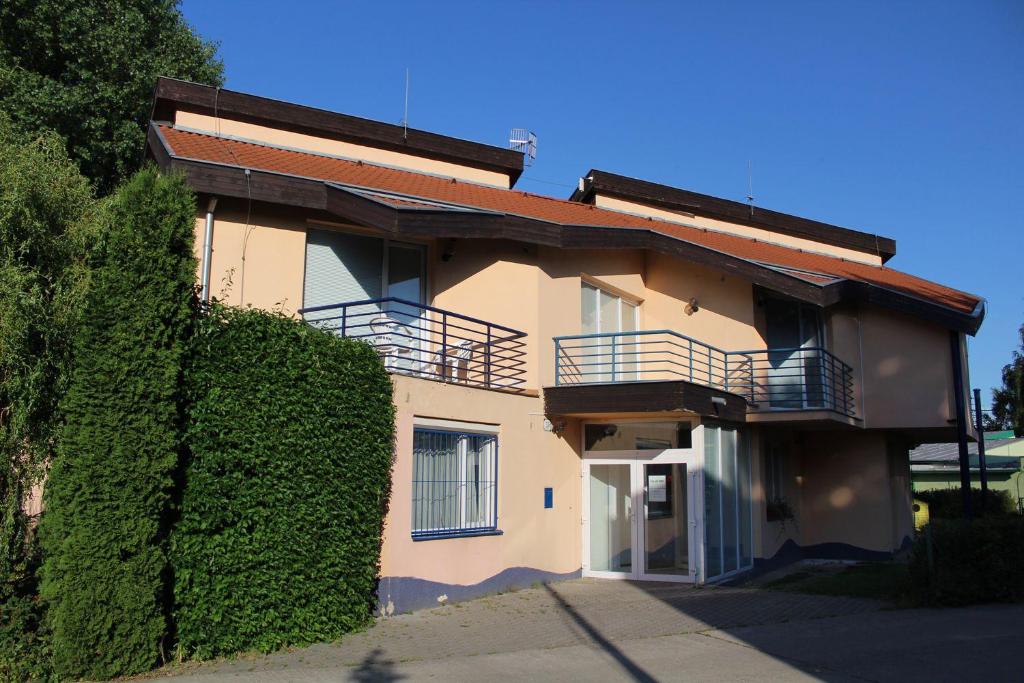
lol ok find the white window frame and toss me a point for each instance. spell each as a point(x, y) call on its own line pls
point(620, 297)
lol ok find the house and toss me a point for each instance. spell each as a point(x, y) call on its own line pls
point(937, 465)
point(619, 384)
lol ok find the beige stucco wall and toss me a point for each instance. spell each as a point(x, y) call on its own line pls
point(905, 372)
point(529, 459)
point(843, 485)
point(625, 206)
point(348, 150)
point(258, 258)
point(854, 490)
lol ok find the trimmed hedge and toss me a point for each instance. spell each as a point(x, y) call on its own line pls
point(291, 434)
point(970, 562)
point(104, 531)
point(948, 503)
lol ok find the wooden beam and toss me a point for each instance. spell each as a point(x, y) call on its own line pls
point(642, 397)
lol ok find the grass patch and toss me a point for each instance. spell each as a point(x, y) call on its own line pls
point(888, 581)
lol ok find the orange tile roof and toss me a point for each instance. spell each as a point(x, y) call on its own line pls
point(209, 148)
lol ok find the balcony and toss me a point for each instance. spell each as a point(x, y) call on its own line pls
point(431, 343)
point(770, 380)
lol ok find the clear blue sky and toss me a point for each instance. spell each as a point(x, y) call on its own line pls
point(900, 118)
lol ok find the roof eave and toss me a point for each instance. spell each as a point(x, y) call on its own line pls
point(230, 180)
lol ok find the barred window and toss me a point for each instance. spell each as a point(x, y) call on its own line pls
point(454, 488)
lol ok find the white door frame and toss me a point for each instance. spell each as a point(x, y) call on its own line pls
point(636, 459)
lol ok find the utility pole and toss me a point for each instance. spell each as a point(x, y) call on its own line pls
point(981, 450)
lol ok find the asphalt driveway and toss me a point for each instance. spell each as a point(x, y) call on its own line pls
point(623, 631)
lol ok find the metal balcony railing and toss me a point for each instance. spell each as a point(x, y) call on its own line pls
point(432, 343)
point(770, 379)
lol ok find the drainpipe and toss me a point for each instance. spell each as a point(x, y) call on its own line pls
point(961, 420)
point(204, 295)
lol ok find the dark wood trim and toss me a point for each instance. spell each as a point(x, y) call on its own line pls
point(580, 400)
point(675, 199)
point(231, 181)
point(171, 94)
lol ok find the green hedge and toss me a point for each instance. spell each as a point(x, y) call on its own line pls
point(290, 433)
point(45, 206)
point(969, 562)
point(949, 504)
point(104, 531)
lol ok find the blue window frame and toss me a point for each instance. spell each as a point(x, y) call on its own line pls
point(455, 483)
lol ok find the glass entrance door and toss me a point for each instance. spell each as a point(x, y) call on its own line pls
point(611, 518)
point(640, 517)
point(666, 519)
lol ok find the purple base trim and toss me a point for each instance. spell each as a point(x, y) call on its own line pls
point(407, 593)
point(790, 552)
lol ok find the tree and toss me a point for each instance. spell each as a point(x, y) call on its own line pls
point(1008, 400)
point(105, 576)
point(45, 212)
point(86, 69)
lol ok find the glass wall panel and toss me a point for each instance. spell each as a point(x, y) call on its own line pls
point(730, 503)
point(712, 503)
point(610, 511)
point(743, 473)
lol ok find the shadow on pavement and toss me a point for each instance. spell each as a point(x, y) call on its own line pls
point(632, 668)
point(375, 669)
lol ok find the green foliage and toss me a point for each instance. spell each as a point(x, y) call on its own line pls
point(889, 581)
point(105, 526)
point(949, 504)
point(290, 434)
point(86, 69)
point(1008, 400)
point(45, 206)
point(969, 562)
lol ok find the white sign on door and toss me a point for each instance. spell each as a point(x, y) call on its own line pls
point(656, 490)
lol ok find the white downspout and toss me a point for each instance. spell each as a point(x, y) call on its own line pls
point(204, 295)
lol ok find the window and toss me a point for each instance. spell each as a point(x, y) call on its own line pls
point(637, 436)
point(795, 336)
point(614, 358)
point(774, 487)
point(454, 487)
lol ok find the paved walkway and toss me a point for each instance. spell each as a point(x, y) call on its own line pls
point(622, 631)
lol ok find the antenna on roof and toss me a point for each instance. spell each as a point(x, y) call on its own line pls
point(405, 117)
point(525, 142)
point(750, 186)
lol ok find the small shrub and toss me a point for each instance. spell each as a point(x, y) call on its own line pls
point(969, 562)
point(290, 434)
point(949, 504)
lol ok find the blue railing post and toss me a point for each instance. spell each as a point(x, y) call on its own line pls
point(558, 361)
point(344, 316)
point(487, 357)
point(614, 337)
point(444, 348)
point(691, 359)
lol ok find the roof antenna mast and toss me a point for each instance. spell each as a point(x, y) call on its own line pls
point(750, 186)
point(405, 117)
point(524, 141)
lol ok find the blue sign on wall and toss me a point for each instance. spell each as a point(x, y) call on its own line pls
point(549, 498)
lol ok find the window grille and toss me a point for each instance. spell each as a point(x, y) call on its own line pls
point(455, 483)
